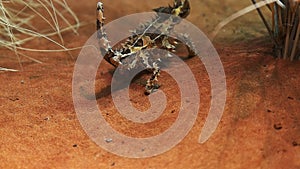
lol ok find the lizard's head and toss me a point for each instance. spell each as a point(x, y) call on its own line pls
point(180, 8)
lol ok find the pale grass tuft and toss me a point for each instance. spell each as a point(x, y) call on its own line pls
point(17, 25)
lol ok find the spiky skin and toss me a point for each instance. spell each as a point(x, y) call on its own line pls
point(130, 55)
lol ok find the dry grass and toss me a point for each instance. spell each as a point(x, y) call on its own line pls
point(18, 24)
point(286, 29)
point(242, 12)
point(283, 26)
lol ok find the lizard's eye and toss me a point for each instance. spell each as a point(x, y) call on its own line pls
point(185, 10)
point(139, 43)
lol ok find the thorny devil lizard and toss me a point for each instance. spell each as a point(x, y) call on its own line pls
point(132, 52)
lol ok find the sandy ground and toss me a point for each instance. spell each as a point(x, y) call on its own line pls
point(260, 127)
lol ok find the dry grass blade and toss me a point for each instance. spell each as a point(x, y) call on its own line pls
point(18, 18)
point(7, 70)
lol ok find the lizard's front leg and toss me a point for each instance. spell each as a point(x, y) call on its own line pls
point(152, 85)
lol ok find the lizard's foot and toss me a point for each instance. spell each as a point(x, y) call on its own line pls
point(151, 89)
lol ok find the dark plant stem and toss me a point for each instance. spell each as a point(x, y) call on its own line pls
point(265, 22)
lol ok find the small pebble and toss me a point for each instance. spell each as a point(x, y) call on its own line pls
point(108, 140)
point(74, 145)
point(14, 99)
point(295, 144)
point(278, 126)
point(291, 98)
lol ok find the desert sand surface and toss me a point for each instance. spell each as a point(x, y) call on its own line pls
point(259, 129)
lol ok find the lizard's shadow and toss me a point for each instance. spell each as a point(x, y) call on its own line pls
point(106, 91)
